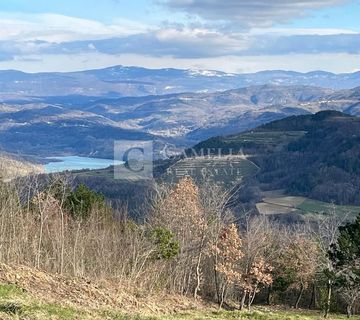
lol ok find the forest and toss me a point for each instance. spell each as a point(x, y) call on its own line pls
point(189, 244)
point(315, 156)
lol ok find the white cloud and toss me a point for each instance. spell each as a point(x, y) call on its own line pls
point(300, 31)
point(202, 41)
point(68, 43)
point(250, 13)
point(59, 28)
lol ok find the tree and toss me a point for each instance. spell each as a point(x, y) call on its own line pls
point(298, 263)
point(166, 246)
point(259, 247)
point(181, 212)
point(82, 200)
point(228, 254)
point(326, 232)
point(258, 275)
point(345, 255)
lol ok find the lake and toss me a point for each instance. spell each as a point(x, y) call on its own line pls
point(77, 163)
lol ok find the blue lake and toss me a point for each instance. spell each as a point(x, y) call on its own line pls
point(77, 163)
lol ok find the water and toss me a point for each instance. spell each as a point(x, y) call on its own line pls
point(77, 163)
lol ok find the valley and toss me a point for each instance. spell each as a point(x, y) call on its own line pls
point(179, 160)
point(271, 157)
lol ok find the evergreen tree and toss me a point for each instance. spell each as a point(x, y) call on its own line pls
point(345, 255)
point(82, 200)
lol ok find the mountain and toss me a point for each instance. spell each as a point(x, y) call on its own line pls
point(79, 125)
point(315, 156)
point(120, 81)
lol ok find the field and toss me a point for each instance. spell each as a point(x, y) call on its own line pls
point(277, 203)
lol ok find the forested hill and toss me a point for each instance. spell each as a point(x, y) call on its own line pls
point(317, 156)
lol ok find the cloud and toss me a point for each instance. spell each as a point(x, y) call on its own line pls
point(28, 37)
point(200, 43)
point(300, 31)
point(60, 28)
point(304, 44)
point(250, 13)
point(181, 43)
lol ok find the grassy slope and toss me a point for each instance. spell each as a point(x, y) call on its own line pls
point(17, 304)
point(27, 293)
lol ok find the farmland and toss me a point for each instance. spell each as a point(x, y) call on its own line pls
point(278, 203)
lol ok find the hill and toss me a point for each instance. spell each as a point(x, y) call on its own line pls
point(27, 293)
point(13, 167)
point(87, 126)
point(315, 156)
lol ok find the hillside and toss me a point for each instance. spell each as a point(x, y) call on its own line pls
point(27, 293)
point(11, 167)
point(315, 156)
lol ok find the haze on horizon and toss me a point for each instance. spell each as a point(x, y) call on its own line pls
point(231, 35)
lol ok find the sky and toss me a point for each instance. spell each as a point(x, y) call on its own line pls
point(234, 36)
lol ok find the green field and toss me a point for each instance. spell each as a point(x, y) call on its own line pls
point(281, 204)
point(319, 207)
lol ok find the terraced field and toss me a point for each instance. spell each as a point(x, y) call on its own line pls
point(265, 137)
point(227, 170)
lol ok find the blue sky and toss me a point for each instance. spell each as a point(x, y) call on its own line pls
point(229, 35)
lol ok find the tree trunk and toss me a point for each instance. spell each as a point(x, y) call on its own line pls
point(242, 302)
point(249, 302)
point(328, 299)
point(223, 295)
point(349, 310)
point(198, 276)
point(252, 297)
point(216, 278)
point(312, 303)
point(299, 296)
point(269, 296)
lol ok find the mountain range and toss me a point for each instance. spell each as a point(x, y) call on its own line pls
point(83, 125)
point(121, 81)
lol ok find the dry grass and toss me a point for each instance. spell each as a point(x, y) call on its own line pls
point(26, 293)
point(24, 286)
